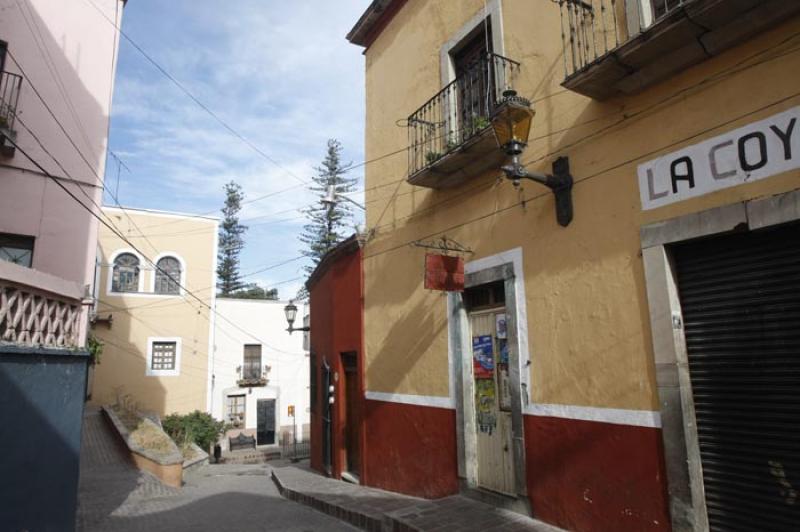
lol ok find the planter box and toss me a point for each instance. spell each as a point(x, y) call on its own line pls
point(166, 465)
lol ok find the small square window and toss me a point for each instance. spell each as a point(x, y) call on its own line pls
point(163, 356)
point(17, 249)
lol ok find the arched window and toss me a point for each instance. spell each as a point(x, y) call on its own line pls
point(126, 273)
point(168, 276)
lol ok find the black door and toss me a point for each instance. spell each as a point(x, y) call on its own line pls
point(265, 424)
point(326, 416)
point(740, 297)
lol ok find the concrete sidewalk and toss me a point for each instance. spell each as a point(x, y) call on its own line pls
point(383, 511)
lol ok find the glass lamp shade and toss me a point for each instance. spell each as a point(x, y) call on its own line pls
point(512, 120)
point(291, 313)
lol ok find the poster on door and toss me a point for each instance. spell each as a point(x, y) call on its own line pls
point(485, 409)
point(500, 326)
point(483, 357)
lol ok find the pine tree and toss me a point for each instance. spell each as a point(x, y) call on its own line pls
point(326, 223)
point(230, 241)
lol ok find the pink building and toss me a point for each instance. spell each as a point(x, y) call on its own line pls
point(58, 61)
point(57, 66)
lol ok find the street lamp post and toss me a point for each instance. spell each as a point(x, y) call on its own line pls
point(291, 313)
point(511, 123)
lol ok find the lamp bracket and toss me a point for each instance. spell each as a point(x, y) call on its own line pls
point(560, 182)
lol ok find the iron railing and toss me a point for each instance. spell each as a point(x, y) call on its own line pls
point(590, 29)
point(459, 111)
point(10, 87)
point(295, 450)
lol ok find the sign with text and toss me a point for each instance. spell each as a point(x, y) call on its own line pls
point(755, 151)
point(444, 273)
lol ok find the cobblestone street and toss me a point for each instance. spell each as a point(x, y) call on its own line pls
point(115, 496)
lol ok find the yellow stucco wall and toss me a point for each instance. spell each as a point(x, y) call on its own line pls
point(587, 309)
point(137, 317)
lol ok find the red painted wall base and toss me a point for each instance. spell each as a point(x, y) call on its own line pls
point(411, 449)
point(584, 475)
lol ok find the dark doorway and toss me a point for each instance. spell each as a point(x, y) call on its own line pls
point(265, 423)
point(326, 417)
point(352, 416)
point(740, 299)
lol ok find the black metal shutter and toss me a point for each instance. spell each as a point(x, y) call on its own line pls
point(740, 296)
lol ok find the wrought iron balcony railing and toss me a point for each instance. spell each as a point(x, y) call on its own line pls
point(10, 88)
point(623, 46)
point(459, 112)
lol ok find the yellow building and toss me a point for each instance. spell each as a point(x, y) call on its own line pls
point(603, 373)
point(155, 322)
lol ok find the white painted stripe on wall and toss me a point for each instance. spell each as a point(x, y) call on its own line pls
point(408, 399)
point(616, 416)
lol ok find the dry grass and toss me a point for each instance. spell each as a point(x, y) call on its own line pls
point(145, 434)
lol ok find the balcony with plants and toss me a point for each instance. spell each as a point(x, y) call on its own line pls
point(450, 136)
point(614, 47)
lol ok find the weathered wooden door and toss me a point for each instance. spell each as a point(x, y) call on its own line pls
point(492, 400)
point(351, 410)
point(265, 422)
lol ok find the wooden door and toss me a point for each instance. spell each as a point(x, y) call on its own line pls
point(351, 409)
point(492, 401)
point(265, 422)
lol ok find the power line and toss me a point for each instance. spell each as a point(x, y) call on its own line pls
point(191, 96)
point(133, 246)
point(582, 180)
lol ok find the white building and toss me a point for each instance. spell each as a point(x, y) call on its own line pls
point(260, 371)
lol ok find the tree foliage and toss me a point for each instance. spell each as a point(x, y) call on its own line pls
point(326, 223)
point(198, 427)
point(231, 241)
point(253, 291)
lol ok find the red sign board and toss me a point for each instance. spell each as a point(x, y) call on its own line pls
point(444, 273)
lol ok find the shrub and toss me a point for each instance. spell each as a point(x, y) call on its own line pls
point(197, 427)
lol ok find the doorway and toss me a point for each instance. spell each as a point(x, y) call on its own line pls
point(351, 422)
point(326, 417)
point(490, 360)
point(740, 305)
point(492, 400)
point(265, 422)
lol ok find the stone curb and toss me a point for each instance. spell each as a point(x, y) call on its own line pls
point(364, 521)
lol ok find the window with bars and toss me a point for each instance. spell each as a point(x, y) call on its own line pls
point(252, 362)
point(168, 276)
point(125, 276)
point(235, 409)
point(164, 355)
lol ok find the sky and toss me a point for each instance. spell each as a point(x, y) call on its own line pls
point(280, 73)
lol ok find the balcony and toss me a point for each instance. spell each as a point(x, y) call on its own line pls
point(38, 310)
point(621, 47)
point(10, 88)
point(450, 137)
point(252, 375)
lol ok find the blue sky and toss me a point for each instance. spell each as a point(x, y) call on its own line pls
point(281, 73)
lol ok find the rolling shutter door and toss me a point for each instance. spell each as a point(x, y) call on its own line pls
point(740, 296)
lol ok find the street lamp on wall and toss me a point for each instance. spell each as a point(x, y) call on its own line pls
point(291, 313)
point(511, 123)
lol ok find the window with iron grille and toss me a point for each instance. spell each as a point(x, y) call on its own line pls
point(125, 276)
point(164, 354)
point(17, 249)
point(252, 362)
point(235, 409)
point(168, 276)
